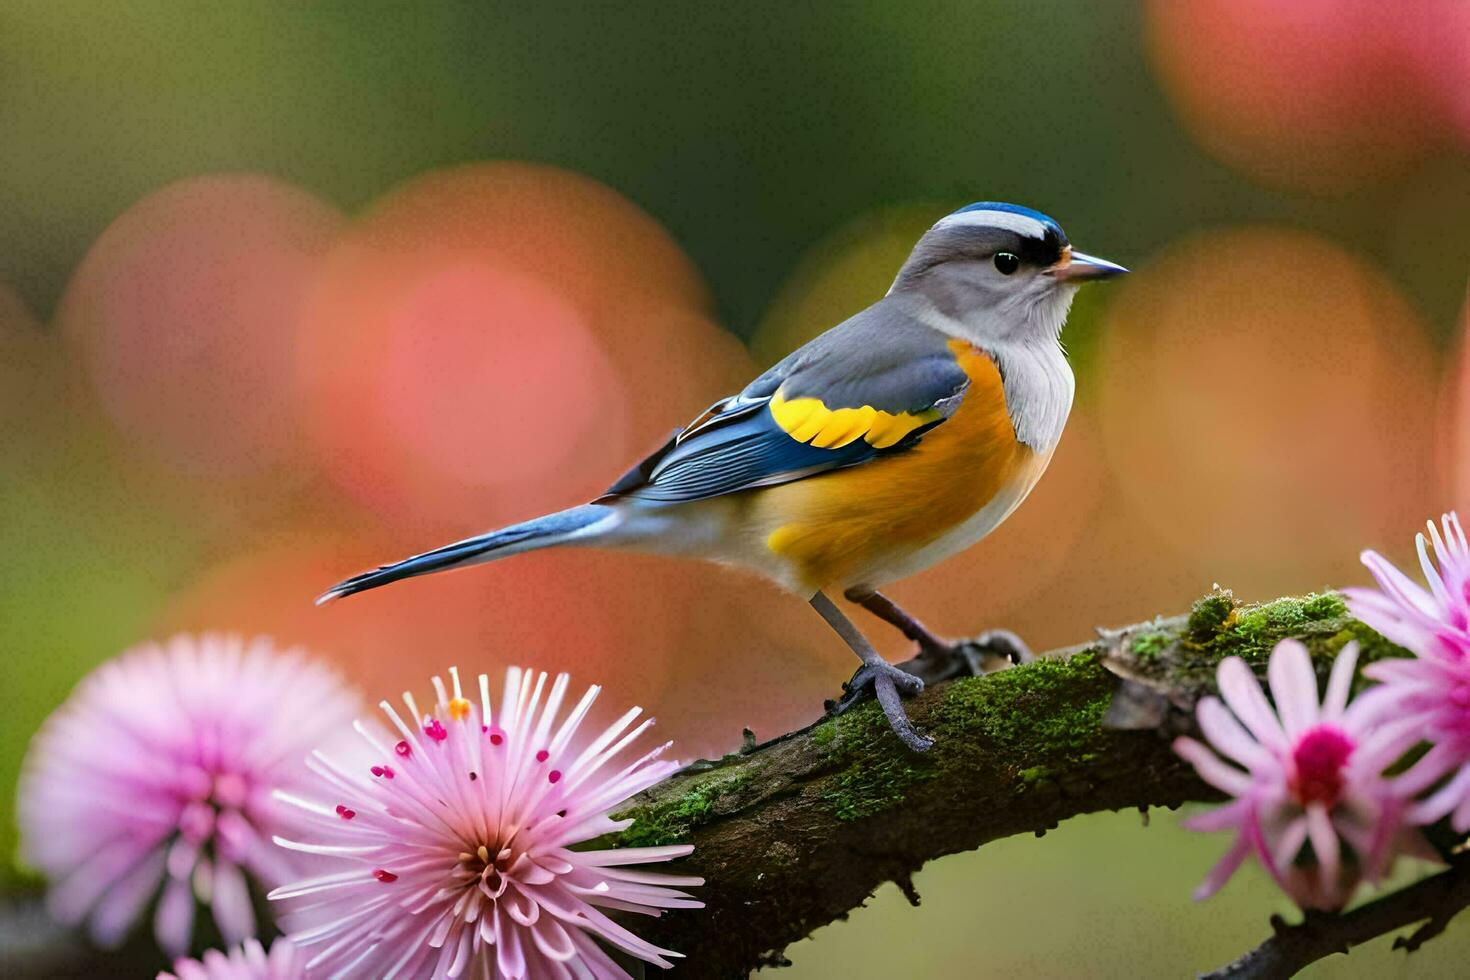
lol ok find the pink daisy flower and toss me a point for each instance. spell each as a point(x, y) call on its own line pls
point(248, 961)
point(1301, 774)
point(455, 854)
point(155, 780)
point(1432, 623)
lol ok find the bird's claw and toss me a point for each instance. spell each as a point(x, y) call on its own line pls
point(1004, 644)
point(889, 684)
point(864, 682)
point(985, 654)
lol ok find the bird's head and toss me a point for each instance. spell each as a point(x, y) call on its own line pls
point(994, 272)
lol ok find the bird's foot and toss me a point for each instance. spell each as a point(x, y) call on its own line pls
point(889, 684)
point(993, 650)
point(864, 682)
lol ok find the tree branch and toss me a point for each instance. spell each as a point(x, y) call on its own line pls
point(795, 833)
point(1433, 901)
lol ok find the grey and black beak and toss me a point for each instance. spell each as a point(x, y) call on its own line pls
point(1080, 267)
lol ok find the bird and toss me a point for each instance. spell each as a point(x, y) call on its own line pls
point(897, 438)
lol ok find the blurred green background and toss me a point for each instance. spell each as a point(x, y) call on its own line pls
point(289, 289)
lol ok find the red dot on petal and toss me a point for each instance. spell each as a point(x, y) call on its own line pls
point(386, 877)
point(542, 755)
point(403, 749)
point(345, 813)
point(554, 775)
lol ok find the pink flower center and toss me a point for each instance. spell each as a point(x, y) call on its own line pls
point(490, 868)
point(207, 795)
point(1320, 756)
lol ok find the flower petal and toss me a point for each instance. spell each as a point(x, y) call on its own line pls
point(1242, 692)
point(1226, 735)
point(1325, 846)
point(1444, 800)
point(1288, 842)
point(1223, 869)
point(1428, 569)
point(173, 921)
point(1410, 596)
point(1211, 769)
point(1340, 682)
point(1293, 686)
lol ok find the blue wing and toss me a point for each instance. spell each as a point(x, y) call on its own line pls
point(901, 376)
point(726, 454)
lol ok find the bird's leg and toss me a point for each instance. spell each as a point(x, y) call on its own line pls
point(939, 658)
point(886, 681)
point(890, 612)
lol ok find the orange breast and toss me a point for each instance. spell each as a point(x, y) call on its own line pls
point(839, 527)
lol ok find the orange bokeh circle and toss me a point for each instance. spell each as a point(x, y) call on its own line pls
point(1311, 94)
point(183, 317)
point(497, 340)
point(1268, 406)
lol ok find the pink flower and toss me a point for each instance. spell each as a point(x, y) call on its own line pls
point(454, 854)
point(246, 962)
point(1431, 695)
point(1430, 691)
point(1312, 776)
point(155, 780)
point(1433, 623)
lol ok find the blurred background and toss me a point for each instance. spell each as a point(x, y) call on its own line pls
point(287, 290)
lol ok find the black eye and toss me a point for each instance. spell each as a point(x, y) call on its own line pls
point(1007, 262)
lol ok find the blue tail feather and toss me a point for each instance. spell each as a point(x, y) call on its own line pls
point(542, 532)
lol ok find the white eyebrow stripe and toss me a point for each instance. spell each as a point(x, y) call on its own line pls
point(1009, 220)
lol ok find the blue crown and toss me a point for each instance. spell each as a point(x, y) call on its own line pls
point(1031, 213)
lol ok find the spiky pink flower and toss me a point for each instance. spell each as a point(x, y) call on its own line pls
point(248, 961)
point(455, 854)
point(1431, 690)
point(156, 780)
point(1301, 774)
point(1431, 695)
point(1433, 622)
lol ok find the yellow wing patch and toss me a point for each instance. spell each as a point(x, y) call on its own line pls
point(808, 420)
